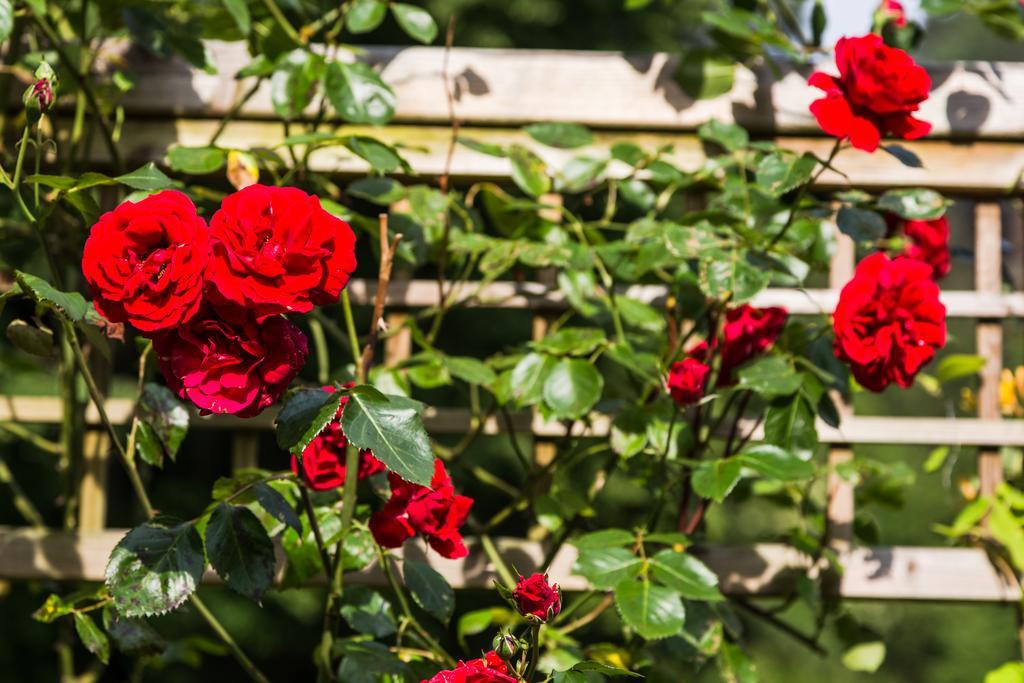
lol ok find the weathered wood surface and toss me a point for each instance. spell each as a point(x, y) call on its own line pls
point(976, 168)
point(600, 89)
point(928, 431)
point(909, 573)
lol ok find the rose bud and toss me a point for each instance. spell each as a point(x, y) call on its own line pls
point(506, 645)
point(41, 94)
point(686, 380)
point(536, 599)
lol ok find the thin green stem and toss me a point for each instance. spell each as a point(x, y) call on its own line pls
point(353, 337)
point(323, 359)
point(25, 434)
point(803, 191)
point(21, 501)
point(233, 112)
point(307, 503)
point(97, 398)
point(348, 509)
point(236, 651)
point(534, 652)
point(497, 561)
point(282, 21)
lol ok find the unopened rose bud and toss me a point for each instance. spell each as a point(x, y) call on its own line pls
point(42, 93)
point(536, 599)
point(506, 645)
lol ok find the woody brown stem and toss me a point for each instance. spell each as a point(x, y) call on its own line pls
point(387, 258)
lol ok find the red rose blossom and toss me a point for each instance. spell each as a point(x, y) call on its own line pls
point(877, 91)
point(144, 262)
point(239, 368)
point(929, 243)
point(535, 597)
point(436, 513)
point(748, 332)
point(323, 460)
point(276, 250)
point(686, 380)
point(889, 321)
point(488, 669)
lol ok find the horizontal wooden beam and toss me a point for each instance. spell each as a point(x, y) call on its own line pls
point(897, 572)
point(976, 168)
point(535, 295)
point(600, 89)
point(925, 431)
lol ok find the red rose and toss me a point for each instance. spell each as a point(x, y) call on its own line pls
point(238, 368)
point(686, 381)
point(535, 597)
point(747, 332)
point(878, 89)
point(889, 321)
point(275, 250)
point(436, 513)
point(144, 262)
point(488, 669)
point(323, 460)
point(929, 243)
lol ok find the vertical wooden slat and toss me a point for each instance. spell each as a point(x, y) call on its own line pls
point(988, 233)
point(839, 513)
point(245, 450)
point(398, 345)
point(92, 489)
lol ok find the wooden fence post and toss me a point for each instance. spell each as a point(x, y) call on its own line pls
point(92, 488)
point(245, 450)
point(839, 514)
point(988, 279)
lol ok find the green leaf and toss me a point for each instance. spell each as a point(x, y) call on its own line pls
point(294, 78)
point(561, 135)
point(572, 388)
point(92, 636)
point(165, 414)
point(470, 370)
point(959, 365)
point(861, 225)
point(731, 274)
point(53, 608)
point(365, 15)
point(777, 463)
point(790, 425)
point(155, 568)
point(306, 413)
point(148, 177)
point(240, 550)
point(780, 173)
point(529, 171)
point(368, 612)
point(487, 148)
point(735, 665)
point(638, 193)
point(703, 74)
point(605, 538)
point(1007, 529)
point(654, 612)
point(914, 204)
point(382, 157)
point(390, 426)
point(380, 191)
point(866, 657)
point(36, 341)
point(716, 479)
point(904, 155)
point(132, 636)
point(276, 506)
point(684, 573)
point(1011, 672)
point(147, 444)
point(429, 589)
point(239, 11)
point(603, 669)
point(605, 568)
point(358, 94)
point(936, 459)
point(197, 160)
point(368, 662)
point(529, 376)
point(728, 135)
point(6, 19)
point(571, 341)
point(71, 304)
point(415, 21)
point(770, 376)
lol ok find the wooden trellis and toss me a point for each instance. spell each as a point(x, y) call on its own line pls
point(975, 154)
